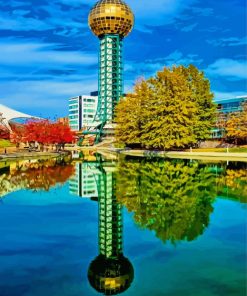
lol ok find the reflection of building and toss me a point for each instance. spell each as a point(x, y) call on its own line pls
point(110, 272)
point(83, 183)
point(82, 110)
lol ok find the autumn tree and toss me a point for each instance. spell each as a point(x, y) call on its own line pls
point(4, 132)
point(44, 132)
point(62, 134)
point(236, 126)
point(18, 135)
point(203, 97)
point(174, 109)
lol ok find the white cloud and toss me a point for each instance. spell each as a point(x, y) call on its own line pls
point(189, 28)
point(47, 97)
point(203, 11)
point(230, 41)
point(57, 19)
point(42, 76)
point(25, 53)
point(150, 67)
point(178, 58)
point(233, 69)
point(151, 13)
point(228, 95)
point(20, 23)
point(160, 12)
point(61, 21)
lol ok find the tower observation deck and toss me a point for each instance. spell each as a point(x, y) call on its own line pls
point(111, 21)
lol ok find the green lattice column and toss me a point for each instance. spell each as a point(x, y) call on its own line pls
point(110, 218)
point(110, 77)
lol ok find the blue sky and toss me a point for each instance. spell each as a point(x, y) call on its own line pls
point(48, 54)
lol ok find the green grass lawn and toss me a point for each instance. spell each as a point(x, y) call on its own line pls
point(5, 143)
point(236, 150)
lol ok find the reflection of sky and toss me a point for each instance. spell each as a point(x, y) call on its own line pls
point(48, 240)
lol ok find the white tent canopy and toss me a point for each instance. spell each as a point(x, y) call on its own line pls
point(7, 114)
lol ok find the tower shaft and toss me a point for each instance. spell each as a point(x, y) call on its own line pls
point(110, 77)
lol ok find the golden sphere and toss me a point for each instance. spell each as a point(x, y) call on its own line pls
point(111, 17)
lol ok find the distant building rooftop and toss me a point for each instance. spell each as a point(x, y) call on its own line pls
point(231, 105)
point(7, 115)
point(231, 100)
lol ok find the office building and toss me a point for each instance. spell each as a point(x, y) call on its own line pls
point(225, 107)
point(230, 105)
point(82, 110)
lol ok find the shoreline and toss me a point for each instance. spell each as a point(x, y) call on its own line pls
point(30, 155)
point(215, 156)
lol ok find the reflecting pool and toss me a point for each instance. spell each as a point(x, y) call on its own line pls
point(132, 227)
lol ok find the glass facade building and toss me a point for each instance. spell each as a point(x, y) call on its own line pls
point(82, 110)
point(225, 107)
point(230, 105)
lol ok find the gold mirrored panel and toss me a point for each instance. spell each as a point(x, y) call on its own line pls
point(111, 17)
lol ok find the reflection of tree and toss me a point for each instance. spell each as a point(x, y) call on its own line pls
point(39, 175)
point(173, 198)
point(233, 182)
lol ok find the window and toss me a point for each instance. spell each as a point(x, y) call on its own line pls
point(72, 107)
point(73, 112)
point(73, 117)
point(89, 100)
point(72, 122)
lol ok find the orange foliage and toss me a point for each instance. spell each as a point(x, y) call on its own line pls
point(43, 132)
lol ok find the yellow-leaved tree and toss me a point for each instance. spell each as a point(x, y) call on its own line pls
point(174, 109)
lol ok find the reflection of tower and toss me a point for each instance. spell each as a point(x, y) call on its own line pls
point(111, 21)
point(110, 272)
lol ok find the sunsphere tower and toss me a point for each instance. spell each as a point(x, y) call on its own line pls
point(110, 21)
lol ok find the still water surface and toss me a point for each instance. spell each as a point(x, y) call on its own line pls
point(139, 227)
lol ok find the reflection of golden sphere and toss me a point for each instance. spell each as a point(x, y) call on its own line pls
point(111, 17)
point(110, 276)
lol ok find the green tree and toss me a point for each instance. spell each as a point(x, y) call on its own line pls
point(173, 198)
point(174, 109)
